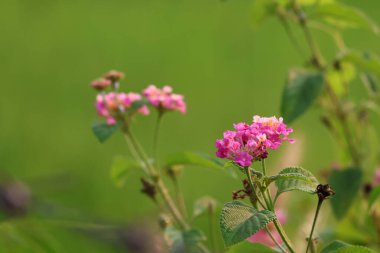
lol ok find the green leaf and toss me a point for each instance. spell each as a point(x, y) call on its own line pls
point(340, 78)
point(196, 159)
point(261, 10)
point(365, 61)
point(121, 167)
point(295, 178)
point(250, 247)
point(343, 16)
point(371, 83)
point(373, 196)
point(353, 249)
point(203, 205)
point(184, 241)
point(301, 90)
point(334, 246)
point(137, 105)
point(103, 131)
point(346, 184)
point(239, 221)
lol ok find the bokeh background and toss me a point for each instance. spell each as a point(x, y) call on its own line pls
point(206, 49)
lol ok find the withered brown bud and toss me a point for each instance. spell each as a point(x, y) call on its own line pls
point(100, 84)
point(148, 188)
point(337, 65)
point(367, 188)
point(324, 191)
point(114, 75)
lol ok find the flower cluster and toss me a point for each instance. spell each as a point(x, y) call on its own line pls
point(249, 143)
point(110, 104)
point(164, 99)
point(113, 104)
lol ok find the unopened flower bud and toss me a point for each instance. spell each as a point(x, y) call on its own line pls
point(15, 198)
point(100, 84)
point(174, 171)
point(114, 75)
point(164, 221)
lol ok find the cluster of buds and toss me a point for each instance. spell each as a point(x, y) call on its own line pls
point(109, 79)
point(113, 104)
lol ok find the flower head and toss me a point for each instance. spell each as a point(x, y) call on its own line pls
point(110, 104)
point(251, 142)
point(114, 75)
point(164, 99)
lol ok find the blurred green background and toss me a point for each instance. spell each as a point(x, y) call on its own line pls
point(206, 49)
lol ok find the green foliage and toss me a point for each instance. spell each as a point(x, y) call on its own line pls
point(371, 83)
point(339, 78)
point(103, 131)
point(334, 246)
point(121, 168)
point(373, 196)
point(261, 10)
point(301, 90)
point(203, 205)
point(346, 184)
point(250, 247)
point(352, 249)
point(295, 178)
point(343, 16)
point(184, 241)
point(365, 61)
point(239, 221)
point(196, 159)
point(137, 104)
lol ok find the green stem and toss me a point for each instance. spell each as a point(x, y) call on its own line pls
point(211, 229)
point(180, 199)
point(267, 188)
point(282, 233)
point(249, 176)
point(274, 240)
point(155, 138)
point(320, 201)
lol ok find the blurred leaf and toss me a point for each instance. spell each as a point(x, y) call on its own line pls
point(334, 246)
point(373, 196)
point(103, 131)
point(352, 249)
point(342, 16)
point(184, 241)
point(121, 167)
point(203, 205)
point(196, 159)
point(239, 221)
point(261, 10)
point(295, 178)
point(371, 83)
point(314, 2)
point(346, 184)
point(301, 90)
point(364, 61)
point(339, 78)
point(250, 247)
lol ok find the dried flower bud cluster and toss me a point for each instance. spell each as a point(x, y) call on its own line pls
point(249, 143)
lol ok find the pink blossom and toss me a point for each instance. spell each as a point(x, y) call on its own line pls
point(111, 104)
point(263, 237)
point(164, 99)
point(249, 143)
point(376, 179)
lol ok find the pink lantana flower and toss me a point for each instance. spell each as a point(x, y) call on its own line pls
point(110, 104)
point(376, 178)
point(164, 99)
point(263, 237)
point(249, 143)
